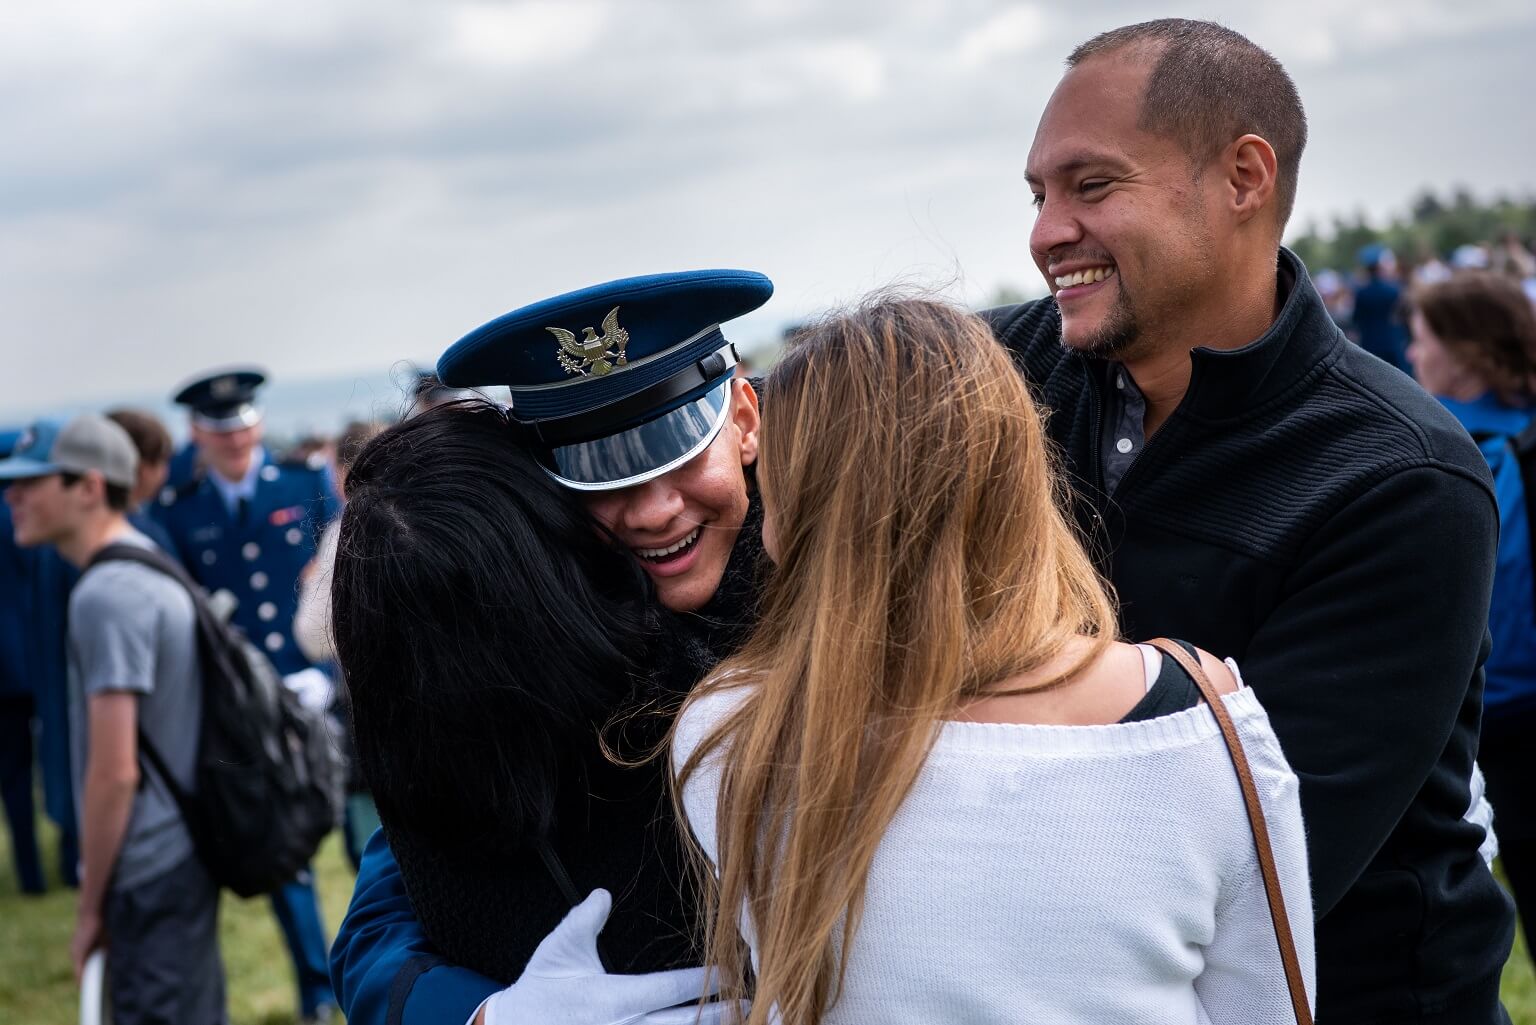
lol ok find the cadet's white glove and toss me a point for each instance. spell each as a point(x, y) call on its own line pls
point(565, 984)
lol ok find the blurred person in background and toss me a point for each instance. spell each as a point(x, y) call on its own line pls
point(135, 687)
point(1472, 256)
point(1511, 257)
point(155, 449)
point(1474, 348)
point(42, 604)
point(1427, 267)
point(312, 450)
point(1378, 312)
point(17, 706)
point(1337, 296)
point(184, 465)
point(312, 631)
point(248, 526)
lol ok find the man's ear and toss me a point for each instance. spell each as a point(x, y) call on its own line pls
point(93, 488)
point(744, 414)
point(1251, 170)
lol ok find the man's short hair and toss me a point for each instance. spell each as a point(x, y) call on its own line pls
point(116, 495)
point(146, 432)
point(1210, 86)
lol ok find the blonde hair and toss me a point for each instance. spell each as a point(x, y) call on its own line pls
point(923, 558)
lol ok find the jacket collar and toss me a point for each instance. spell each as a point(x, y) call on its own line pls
point(1229, 383)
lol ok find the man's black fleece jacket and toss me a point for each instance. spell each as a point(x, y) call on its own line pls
point(1310, 512)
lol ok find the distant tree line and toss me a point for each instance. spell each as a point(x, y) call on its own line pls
point(1432, 226)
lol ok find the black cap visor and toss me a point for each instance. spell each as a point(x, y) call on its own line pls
point(646, 451)
point(226, 418)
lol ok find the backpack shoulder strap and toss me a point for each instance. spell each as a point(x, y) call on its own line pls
point(151, 557)
point(158, 560)
point(208, 623)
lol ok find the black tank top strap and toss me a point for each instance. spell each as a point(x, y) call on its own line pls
point(1173, 691)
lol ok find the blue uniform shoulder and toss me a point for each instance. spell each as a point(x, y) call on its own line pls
point(297, 479)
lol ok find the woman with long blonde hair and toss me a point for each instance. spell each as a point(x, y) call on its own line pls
point(933, 786)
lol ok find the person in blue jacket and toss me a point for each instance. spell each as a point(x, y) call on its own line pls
point(185, 465)
point(1378, 309)
point(248, 526)
point(16, 712)
point(45, 583)
point(1474, 348)
point(626, 394)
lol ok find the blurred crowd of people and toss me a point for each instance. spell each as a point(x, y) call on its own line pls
point(1369, 301)
point(253, 520)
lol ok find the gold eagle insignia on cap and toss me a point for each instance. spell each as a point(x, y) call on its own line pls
point(592, 355)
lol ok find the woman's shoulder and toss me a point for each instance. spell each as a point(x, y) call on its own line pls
point(710, 704)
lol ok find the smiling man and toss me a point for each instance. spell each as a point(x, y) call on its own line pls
point(1254, 483)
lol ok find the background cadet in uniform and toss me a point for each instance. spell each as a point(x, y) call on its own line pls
point(248, 526)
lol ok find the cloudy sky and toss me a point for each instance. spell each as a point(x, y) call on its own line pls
point(329, 187)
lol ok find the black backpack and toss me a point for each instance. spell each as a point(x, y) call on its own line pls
point(269, 779)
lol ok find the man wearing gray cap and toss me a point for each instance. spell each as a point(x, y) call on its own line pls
point(133, 672)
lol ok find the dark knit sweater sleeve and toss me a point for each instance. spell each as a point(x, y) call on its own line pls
point(1342, 662)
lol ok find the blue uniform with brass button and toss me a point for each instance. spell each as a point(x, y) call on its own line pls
point(252, 538)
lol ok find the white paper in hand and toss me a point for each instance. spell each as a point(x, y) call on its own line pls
point(93, 978)
point(565, 984)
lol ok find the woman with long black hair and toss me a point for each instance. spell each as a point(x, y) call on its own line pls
point(490, 630)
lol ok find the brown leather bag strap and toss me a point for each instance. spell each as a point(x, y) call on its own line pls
point(1261, 844)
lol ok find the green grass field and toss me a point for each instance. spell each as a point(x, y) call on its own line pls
point(36, 987)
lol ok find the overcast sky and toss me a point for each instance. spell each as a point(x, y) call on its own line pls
point(325, 187)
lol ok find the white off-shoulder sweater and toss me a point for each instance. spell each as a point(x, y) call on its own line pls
point(1058, 875)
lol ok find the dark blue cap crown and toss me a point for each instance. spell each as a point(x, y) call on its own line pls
point(665, 318)
point(603, 362)
point(222, 399)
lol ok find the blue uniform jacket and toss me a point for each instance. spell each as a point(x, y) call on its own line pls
point(15, 680)
point(45, 607)
point(259, 560)
point(146, 524)
point(1511, 666)
point(1378, 318)
point(383, 969)
point(35, 585)
point(183, 466)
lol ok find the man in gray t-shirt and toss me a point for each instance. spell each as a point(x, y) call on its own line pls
point(133, 630)
point(133, 675)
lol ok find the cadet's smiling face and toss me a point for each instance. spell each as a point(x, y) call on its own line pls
point(1123, 233)
point(699, 506)
point(228, 453)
